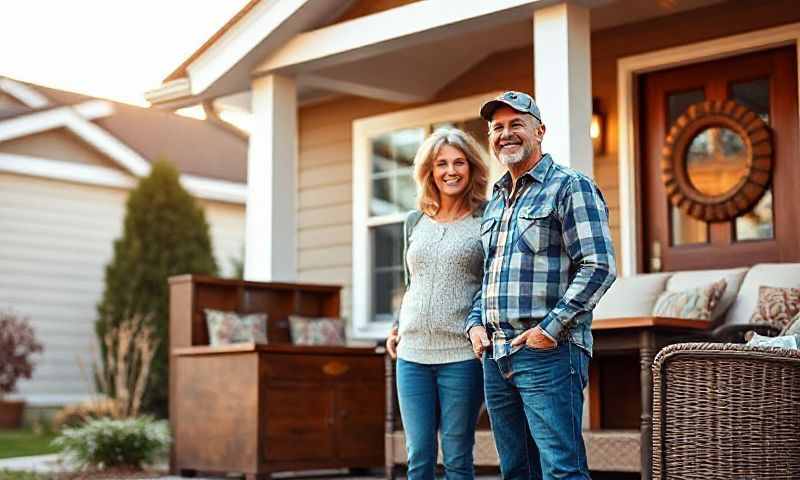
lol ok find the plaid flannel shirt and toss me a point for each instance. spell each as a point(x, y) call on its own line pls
point(548, 257)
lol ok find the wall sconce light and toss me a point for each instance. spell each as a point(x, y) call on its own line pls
point(597, 128)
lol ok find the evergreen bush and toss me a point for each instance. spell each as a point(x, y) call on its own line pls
point(165, 233)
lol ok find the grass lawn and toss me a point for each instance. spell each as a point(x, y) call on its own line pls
point(22, 443)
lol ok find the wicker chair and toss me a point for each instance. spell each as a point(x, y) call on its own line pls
point(725, 411)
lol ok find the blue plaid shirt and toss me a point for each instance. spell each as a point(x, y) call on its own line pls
point(548, 257)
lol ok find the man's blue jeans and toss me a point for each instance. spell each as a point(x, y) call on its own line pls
point(535, 403)
point(445, 397)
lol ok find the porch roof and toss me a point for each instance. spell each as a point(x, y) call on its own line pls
point(404, 54)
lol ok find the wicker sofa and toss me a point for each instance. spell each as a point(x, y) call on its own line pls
point(628, 298)
point(725, 411)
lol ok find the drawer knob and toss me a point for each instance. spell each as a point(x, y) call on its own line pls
point(335, 368)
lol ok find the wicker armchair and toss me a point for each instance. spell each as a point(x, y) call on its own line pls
point(725, 411)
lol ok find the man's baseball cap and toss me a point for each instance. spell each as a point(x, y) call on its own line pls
point(521, 102)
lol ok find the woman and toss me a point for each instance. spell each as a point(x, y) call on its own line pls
point(439, 380)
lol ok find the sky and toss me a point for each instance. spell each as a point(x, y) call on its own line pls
point(115, 49)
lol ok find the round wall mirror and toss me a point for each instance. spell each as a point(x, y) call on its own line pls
point(717, 160)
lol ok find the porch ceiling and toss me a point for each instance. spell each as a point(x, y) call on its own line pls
point(413, 67)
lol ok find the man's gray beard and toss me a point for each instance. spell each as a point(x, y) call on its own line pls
point(511, 159)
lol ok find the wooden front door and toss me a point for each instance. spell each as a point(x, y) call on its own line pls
point(764, 82)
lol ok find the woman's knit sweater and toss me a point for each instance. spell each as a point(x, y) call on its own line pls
point(445, 262)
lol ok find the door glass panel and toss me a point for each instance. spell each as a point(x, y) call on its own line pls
point(756, 224)
point(686, 230)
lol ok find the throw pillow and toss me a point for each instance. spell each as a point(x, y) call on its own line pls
point(776, 306)
point(316, 331)
point(225, 328)
point(695, 303)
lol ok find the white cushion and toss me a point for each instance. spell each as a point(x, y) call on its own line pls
point(632, 296)
point(700, 278)
point(783, 275)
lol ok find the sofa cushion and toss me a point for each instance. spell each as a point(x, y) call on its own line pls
point(700, 278)
point(225, 328)
point(633, 296)
point(786, 275)
point(776, 306)
point(696, 303)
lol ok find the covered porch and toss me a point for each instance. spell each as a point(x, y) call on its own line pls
point(341, 93)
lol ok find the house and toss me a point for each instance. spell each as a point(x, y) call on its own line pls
point(67, 162)
point(342, 92)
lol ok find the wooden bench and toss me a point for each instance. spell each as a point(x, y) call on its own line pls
point(258, 409)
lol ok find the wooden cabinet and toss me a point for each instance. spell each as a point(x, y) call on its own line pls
point(258, 409)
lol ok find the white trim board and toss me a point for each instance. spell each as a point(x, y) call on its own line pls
point(363, 130)
point(628, 68)
point(23, 93)
point(201, 187)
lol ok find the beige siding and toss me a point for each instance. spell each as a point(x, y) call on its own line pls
point(55, 241)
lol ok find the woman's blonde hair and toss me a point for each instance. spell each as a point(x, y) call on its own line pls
point(428, 192)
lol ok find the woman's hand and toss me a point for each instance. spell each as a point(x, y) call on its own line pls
point(391, 342)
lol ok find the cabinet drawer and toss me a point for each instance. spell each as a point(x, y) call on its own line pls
point(322, 367)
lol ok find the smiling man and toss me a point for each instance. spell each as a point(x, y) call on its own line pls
point(548, 260)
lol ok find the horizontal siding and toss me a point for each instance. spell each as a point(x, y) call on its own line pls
point(226, 228)
point(56, 239)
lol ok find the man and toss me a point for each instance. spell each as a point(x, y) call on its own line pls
point(548, 260)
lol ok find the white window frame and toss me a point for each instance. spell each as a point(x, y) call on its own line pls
point(363, 130)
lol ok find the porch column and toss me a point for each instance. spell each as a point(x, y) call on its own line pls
point(271, 226)
point(563, 83)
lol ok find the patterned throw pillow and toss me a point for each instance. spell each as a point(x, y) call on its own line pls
point(225, 328)
point(695, 303)
point(776, 306)
point(316, 331)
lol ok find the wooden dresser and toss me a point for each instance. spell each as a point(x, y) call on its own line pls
point(258, 409)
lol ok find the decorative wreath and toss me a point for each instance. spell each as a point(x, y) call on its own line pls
point(742, 197)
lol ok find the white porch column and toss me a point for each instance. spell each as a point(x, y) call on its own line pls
point(562, 77)
point(271, 226)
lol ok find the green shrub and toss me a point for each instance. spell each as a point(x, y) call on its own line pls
point(165, 233)
point(106, 442)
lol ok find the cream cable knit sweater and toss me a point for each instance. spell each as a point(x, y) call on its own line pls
point(445, 261)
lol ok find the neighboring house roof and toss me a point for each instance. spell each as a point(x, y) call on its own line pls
point(212, 159)
point(195, 146)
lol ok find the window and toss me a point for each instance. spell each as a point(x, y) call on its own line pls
point(384, 192)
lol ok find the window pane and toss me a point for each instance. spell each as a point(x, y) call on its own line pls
point(387, 270)
point(756, 224)
point(392, 166)
point(387, 245)
point(686, 230)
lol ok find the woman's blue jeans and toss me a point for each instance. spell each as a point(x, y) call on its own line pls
point(443, 397)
